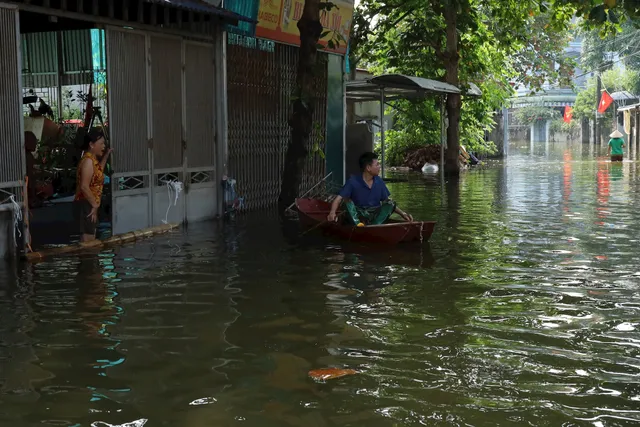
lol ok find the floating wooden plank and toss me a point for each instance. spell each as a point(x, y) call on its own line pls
point(111, 241)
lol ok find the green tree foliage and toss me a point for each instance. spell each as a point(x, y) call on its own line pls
point(585, 105)
point(499, 42)
point(490, 42)
point(603, 15)
point(618, 79)
point(416, 124)
point(598, 51)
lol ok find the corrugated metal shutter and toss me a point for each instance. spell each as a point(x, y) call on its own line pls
point(40, 58)
point(77, 57)
point(166, 89)
point(200, 94)
point(128, 101)
point(12, 166)
point(127, 62)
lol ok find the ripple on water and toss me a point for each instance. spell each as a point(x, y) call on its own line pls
point(523, 310)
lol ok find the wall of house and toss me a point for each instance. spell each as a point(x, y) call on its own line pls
point(335, 148)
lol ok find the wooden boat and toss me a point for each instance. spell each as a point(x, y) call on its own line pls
point(313, 213)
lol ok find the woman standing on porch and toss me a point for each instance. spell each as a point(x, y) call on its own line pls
point(89, 184)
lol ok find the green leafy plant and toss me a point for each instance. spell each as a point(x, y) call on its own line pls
point(532, 114)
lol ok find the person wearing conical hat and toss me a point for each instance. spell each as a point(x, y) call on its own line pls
point(616, 146)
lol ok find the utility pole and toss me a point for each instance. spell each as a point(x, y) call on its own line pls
point(596, 128)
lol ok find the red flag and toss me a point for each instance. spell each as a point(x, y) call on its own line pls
point(88, 112)
point(605, 101)
point(568, 114)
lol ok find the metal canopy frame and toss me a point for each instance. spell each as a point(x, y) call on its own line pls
point(629, 107)
point(393, 87)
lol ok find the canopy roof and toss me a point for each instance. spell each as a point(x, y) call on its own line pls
point(629, 107)
point(203, 7)
point(623, 95)
point(544, 100)
point(399, 86)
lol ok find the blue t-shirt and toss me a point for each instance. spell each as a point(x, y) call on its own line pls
point(363, 196)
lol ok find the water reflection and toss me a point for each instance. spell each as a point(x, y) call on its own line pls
point(523, 309)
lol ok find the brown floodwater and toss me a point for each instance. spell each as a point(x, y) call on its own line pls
point(524, 309)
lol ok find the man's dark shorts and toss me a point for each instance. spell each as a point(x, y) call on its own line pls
point(81, 212)
point(616, 157)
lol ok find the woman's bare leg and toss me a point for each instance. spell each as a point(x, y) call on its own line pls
point(87, 237)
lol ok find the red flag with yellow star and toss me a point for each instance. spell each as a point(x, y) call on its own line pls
point(605, 101)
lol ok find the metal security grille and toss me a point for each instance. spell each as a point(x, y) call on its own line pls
point(12, 169)
point(315, 168)
point(259, 97)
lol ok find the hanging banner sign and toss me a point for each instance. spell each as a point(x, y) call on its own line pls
point(278, 19)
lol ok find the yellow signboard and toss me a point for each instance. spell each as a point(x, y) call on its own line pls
point(278, 20)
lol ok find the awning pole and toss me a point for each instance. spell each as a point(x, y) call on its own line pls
point(382, 129)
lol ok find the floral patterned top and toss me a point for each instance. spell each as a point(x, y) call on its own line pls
point(97, 180)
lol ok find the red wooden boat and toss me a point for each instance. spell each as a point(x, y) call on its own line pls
point(313, 213)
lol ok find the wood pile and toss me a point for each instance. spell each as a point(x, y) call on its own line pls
point(415, 159)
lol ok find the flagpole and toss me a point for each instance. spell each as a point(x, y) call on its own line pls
point(615, 116)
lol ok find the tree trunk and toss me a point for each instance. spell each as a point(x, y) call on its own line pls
point(301, 119)
point(454, 101)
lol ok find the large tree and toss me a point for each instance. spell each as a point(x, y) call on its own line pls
point(301, 119)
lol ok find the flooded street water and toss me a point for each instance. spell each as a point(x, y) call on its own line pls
point(523, 310)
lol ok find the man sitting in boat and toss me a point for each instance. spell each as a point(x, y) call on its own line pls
point(366, 196)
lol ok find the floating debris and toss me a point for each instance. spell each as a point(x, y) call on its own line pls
point(330, 373)
point(626, 327)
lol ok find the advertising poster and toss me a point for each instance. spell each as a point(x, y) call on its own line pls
point(278, 19)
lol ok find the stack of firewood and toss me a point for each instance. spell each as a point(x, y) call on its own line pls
point(415, 159)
